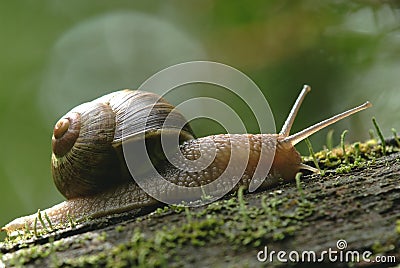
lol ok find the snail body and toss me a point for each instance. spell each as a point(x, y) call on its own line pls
point(90, 170)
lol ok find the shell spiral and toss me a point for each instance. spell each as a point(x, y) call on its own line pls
point(87, 156)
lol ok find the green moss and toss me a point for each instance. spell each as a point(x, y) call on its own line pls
point(30, 254)
point(312, 154)
point(119, 228)
point(27, 235)
point(348, 157)
point(162, 210)
point(378, 248)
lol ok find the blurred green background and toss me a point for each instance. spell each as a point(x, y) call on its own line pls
point(57, 54)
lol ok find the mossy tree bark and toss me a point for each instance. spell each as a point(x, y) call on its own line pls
point(360, 207)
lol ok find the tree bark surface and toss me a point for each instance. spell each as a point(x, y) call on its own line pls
point(361, 207)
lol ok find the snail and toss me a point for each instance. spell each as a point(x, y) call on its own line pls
point(89, 168)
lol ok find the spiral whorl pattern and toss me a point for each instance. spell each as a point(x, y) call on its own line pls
point(65, 133)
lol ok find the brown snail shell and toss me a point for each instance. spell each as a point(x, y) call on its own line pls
point(87, 141)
